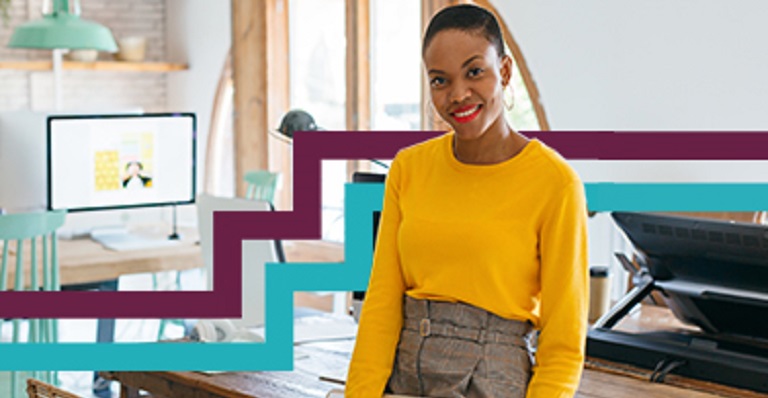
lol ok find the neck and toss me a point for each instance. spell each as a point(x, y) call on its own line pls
point(495, 145)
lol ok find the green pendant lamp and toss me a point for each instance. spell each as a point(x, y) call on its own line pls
point(62, 29)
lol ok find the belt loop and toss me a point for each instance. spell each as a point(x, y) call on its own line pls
point(425, 326)
point(483, 335)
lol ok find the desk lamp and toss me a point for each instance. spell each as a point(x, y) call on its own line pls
point(294, 120)
point(62, 29)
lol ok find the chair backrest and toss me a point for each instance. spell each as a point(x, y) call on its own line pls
point(30, 226)
point(39, 389)
point(255, 253)
point(261, 185)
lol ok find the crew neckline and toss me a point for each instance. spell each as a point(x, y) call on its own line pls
point(457, 164)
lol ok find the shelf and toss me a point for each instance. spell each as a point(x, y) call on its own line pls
point(109, 66)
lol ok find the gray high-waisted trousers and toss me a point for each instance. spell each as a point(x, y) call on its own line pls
point(458, 350)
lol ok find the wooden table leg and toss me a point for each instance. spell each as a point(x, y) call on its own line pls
point(128, 392)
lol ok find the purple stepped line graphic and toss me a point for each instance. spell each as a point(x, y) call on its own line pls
point(304, 222)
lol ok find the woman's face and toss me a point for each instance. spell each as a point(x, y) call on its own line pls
point(133, 169)
point(466, 79)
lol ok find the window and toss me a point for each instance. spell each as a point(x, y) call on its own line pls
point(395, 65)
point(522, 116)
point(318, 65)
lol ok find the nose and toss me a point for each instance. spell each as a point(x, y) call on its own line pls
point(459, 93)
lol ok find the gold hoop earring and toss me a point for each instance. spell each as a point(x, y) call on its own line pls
point(429, 109)
point(508, 103)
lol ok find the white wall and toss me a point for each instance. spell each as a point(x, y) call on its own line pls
point(648, 65)
point(199, 33)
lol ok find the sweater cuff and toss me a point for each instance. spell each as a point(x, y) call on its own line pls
point(549, 391)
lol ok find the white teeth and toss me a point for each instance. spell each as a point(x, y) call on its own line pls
point(467, 113)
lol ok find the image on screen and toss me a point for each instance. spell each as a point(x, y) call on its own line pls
point(100, 162)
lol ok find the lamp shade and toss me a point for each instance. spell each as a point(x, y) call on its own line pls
point(296, 120)
point(62, 30)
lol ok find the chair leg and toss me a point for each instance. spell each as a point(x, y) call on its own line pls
point(15, 376)
point(55, 339)
point(15, 382)
point(161, 329)
point(164, 321)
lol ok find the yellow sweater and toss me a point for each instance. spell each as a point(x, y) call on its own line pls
point(510, 238)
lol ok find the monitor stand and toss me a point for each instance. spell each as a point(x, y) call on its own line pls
point(120, 239)
point(736, 361)
point(175, 233)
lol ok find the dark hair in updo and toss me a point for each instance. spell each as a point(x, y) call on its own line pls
point(466, 18)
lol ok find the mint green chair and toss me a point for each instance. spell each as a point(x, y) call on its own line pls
point(261, 185)
point(16, 231)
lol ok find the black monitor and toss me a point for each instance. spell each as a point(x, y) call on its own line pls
point(100, 162)
point(366, 177)
point(714, 273)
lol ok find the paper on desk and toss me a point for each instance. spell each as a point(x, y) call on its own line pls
point(325, 327)
point(320, 328)
point(316, 329)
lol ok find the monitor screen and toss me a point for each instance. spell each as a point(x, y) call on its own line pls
point(713, 273)
point(699, 250)
point(100, 162)
point(365, 177)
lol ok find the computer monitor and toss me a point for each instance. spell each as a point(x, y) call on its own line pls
point(101, 162)
point(366, 177)
point(713, 272)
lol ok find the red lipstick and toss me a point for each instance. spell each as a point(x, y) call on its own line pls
point(467, 113)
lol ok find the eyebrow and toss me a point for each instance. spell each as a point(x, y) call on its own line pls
point(463, 65)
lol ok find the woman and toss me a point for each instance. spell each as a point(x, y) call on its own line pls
point(134, 177)
point(482, 244)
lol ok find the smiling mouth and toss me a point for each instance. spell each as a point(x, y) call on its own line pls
point(467, 114)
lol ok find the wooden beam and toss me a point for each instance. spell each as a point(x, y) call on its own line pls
point(250, 36)
point(358, 65)
point(358, 36)
point(517, 56)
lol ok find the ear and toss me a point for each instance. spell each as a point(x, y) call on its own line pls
point(506, 70)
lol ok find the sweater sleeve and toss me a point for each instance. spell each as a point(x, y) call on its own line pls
point(381, 317)
point(564, 296)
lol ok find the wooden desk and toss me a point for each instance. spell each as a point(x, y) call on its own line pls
point(326, 359)
point(294, 384)
point(84, 261)
point(303, 384)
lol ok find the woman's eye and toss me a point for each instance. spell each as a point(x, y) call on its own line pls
point(475, 72)
point(437, 81)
